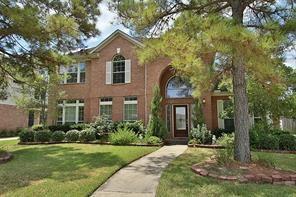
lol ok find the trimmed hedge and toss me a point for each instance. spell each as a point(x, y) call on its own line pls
point(72, 135)
point(42, 136)
point(10, 133)
point(26, 135)
point(58, 136)
point(87, 135)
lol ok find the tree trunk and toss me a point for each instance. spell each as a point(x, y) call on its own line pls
point(241, 112)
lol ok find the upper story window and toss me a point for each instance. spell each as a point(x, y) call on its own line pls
point(118, 70)
point(74, 73)
point(178, 88)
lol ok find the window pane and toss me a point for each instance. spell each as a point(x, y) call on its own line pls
point(178, 88)
point(130, 98)
point(106, 110)
point(180, 118)
point(70, 114)
point(82, 67)
point(72, 78)
point(81, 114)
point(118, 77)
point(130, 112)
point(60, 114)
point(82, 77)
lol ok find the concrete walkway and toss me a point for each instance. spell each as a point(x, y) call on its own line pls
point(141, 177)
point(9, 138)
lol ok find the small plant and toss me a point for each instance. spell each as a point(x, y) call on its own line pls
point(224, 156)
point(42, 136)
point(58, 136)
point(72, 135)
point(201, 134)
point(87, 135)
point(123, 136)
point(26, 135)
point(37, 127)
point(136, 126)
point(153, 140)
point(193, 142)
point(103, 124)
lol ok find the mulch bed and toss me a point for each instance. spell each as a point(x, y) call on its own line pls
point(5, 157)
point(94, 142)
point(245, 173)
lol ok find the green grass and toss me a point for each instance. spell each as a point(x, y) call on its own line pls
point(62, 170)
point(179, 180)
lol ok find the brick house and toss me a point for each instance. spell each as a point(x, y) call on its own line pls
point(108, 79)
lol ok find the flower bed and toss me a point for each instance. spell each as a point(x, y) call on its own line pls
point(245, 173)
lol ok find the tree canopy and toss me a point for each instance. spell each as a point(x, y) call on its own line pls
point(37, 34)
point(243, 37)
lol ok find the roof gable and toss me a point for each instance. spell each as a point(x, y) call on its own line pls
point(112, 37)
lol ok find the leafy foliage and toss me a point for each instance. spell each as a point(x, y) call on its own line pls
point(123, 136)
point(102, 124)
point(72, 135)
point(87, 135)
point(58, 136)
point(156, 125)
point(201, 134)
point(42, 136)
point(224, 156)
point(153, 140)
point(26, 135)
point(135, 126)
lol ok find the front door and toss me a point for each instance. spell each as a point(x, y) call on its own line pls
point(180, 121)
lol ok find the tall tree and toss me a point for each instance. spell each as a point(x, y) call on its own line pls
point(243, 35)
point(37, 34)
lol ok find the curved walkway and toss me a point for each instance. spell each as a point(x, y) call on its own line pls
point(140, 178)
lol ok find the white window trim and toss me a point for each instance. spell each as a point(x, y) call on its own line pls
point(64, 72)
point(77, 104)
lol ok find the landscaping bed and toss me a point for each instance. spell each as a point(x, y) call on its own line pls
point(91, 142)
point(5, 156)
point(244, 173)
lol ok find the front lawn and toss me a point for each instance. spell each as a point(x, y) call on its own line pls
point(62, 170)
point(179, 180)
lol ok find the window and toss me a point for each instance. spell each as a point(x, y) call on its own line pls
point(70, 112)
point(178, 88)
point(130, 108)
point(74, 73)
point(106, 107)
point(225, 115)
point(118, 69)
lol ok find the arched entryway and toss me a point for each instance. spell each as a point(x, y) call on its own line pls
point(177, 103)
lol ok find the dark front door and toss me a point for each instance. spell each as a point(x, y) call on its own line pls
point(180, 121)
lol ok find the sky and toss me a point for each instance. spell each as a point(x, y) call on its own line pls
point(107, 24)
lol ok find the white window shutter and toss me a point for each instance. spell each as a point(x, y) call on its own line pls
point(108, 72)
point(127, 71)
point(219, 111)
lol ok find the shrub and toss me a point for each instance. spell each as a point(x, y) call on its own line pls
point(287, 142)
point(102, 125)
point(201, 134)
point(37, 127)
point(136, 126)
point(79, 126)
point(58, 136)
point(87, 135)
point(153, 140)
point(193, 142)
point(123, 136)
point(219, 132)
point(65, 127)
point(268, 141)
point(11, 133)
point(26, 135)
point(72, 135)
point(224, 156)
point(42, 136)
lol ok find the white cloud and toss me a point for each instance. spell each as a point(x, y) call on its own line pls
point(106, 24)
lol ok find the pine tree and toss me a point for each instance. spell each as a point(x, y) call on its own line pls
point(156, 125)
point(38, 34)
point(244, 37)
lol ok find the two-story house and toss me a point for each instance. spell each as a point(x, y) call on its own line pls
point(112, 81)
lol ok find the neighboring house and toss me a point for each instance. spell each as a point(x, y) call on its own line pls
point(12, 118)
point(108, 79)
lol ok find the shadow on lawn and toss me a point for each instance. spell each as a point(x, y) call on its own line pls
point(186, 183)
point(62, 163)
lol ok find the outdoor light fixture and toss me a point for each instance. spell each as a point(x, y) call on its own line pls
point(203, 101)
